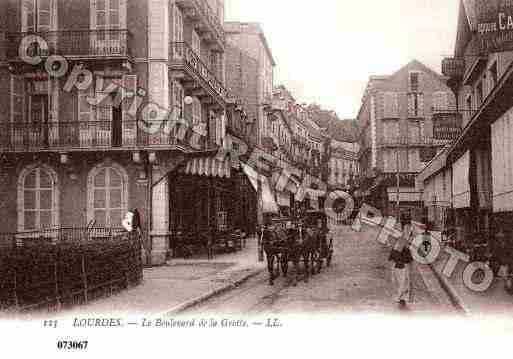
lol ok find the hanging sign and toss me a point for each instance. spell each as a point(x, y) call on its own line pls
point(494, 24)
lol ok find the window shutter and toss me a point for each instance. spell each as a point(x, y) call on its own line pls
point(17, 108)
point(196, 111)
point(92, 15)
point(420, 100)
point(391, 105)
point(129, 90)
point(44, 15)
point(196, 43)
point(85, 117)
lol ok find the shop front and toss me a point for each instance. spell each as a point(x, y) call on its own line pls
point(210, 201)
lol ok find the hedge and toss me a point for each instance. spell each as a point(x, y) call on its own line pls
point(42, 274)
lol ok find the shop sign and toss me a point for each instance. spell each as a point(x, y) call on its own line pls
point(494, 24)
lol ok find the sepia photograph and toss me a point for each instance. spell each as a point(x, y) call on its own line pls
point(305, 178)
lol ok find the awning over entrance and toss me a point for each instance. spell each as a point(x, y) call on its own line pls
point(208, 166)
point(460, 181)
point(269, 204)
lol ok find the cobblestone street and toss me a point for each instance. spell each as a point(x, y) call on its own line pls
point(359, 281)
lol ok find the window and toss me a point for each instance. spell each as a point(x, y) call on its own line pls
point(391, 130)
point(38, 15)
point(440, 101)
point(177, 24)
point(196, 111)
point(196, 43)
point(107, 15)
point(414, 160)
point(415, 105)
point(415, 131)
point(414, 81)
point(390, 160)
point(37, 199)
point(107, 195)
point(391, 105)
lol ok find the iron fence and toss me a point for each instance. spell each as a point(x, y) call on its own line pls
point(71, 43)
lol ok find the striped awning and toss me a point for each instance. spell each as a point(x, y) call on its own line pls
point(208, 167)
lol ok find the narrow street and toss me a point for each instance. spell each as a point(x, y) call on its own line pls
point(359, 281)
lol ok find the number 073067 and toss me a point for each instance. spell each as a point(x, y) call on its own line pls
point(72, 345)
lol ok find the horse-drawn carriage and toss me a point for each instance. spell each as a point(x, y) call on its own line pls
point(296, 240)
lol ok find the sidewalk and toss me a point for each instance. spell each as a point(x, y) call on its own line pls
point(491, 302)
point(174, 287)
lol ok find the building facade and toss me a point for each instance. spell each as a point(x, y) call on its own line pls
point(479, 162)
point(71, 148)
point(400, 118)
point(247, 41)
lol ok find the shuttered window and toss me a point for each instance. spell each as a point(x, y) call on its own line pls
point(196, 43)
point(415, 105)
point(391, 131)
point(391, 105)
point(177, 24)
point(40, 15)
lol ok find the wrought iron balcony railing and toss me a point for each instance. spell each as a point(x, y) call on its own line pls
point(90, 135)
point(71, 43)
point(182, 56)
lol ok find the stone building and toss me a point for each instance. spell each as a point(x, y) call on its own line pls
point(68, 161)
point(399, 119)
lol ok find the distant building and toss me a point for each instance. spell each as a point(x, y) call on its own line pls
point(245, 41)
point(400, 121)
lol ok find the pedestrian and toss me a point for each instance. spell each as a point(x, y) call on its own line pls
point(401, 258)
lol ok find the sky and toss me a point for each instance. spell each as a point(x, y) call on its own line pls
point(326, 50)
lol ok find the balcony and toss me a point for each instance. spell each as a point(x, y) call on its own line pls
point(87, 136)
point(186, 64)
point(79, 44)
point(205, 20)
point(453, 68)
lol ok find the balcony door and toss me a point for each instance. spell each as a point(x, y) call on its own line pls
point(38, 117)
point(38, 16)
point(107, 18)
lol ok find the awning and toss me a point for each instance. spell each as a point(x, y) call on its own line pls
point(460, 182)
point(208, 166)
point(269, 204)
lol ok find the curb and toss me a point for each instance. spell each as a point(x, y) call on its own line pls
point(455, 298)
point(213, 293)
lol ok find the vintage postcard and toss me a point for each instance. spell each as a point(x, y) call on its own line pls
point(254, 178)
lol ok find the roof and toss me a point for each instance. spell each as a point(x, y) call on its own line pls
point(340, 130)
